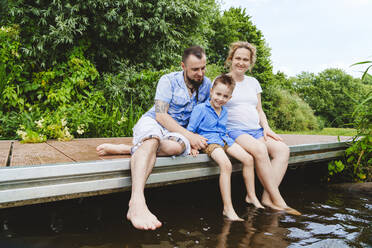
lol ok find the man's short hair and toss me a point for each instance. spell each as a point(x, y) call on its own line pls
point(197, 51)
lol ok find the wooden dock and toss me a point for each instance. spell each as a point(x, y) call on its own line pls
point(54, 170)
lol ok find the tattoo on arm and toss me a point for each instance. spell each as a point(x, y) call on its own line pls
point(161, 107)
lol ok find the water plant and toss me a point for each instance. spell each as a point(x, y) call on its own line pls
point(357, 164)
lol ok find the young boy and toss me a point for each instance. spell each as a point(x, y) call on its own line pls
point(209, 120)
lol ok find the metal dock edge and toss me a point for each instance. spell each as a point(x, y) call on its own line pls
point(51, 182)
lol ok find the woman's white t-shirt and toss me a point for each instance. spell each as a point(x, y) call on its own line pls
point(242, 107)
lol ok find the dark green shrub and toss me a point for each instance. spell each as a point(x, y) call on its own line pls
point(287, 111)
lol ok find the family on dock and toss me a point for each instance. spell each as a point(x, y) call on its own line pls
point(222, 118)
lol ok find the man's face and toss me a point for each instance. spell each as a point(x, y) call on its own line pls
point(194, 69)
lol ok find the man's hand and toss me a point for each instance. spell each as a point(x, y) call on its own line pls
point(197, 141)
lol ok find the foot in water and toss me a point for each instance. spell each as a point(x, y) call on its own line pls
point(107, 149)
point(292, 211)
point(285, 209)
point(231, 215)
point(141, 217)
point(254, 201)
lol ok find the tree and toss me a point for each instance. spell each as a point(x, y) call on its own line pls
point(236, 25)
point(332, 94)
point(148, 32)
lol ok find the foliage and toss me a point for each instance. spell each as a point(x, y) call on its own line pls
point(289, 112)
point(325, 131)
point(236, 25)
point(152, 33)
point(332, 94)
point(357, 165)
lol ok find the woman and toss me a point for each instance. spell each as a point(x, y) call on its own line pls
point(247, 124)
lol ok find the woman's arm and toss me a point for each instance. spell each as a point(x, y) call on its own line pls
point(263, 122)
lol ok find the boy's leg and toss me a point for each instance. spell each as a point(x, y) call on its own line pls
point(224, 163)
point(246, 159)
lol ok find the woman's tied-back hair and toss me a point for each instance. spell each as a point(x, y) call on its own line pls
point(242, 44)
point(226, 80)
point(197, 51)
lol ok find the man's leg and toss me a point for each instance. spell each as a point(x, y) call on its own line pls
point(142, 162)
point(107, 149)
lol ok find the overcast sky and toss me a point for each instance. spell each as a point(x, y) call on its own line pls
point(312, 35)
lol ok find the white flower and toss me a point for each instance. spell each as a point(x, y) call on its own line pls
point(39, 123)
point(80, 129)
point(63, 122)
point(122, 119)
point(22, 133)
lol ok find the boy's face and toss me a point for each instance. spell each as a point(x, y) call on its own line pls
point(220, 94)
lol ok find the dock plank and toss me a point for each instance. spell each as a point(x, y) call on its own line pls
point(302, 139)
point(36, 154)
point(85, 149)
point(4, 151)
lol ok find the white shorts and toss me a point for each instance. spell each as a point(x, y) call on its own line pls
point(147, 127)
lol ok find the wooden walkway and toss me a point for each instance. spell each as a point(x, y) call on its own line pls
point(35, 173)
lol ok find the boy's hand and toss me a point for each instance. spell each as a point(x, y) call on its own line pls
point(194, 152)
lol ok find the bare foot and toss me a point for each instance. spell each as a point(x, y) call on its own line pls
point(142, 218)
point(273, 206)
point(292, 211)
point(231, 215)
point(254, 201)
point(106, 149)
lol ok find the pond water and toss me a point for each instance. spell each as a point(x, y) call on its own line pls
point(191, 216)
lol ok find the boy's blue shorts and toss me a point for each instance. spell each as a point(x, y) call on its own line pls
point(255, 133)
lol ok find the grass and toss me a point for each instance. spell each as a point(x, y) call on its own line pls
point(324, 131)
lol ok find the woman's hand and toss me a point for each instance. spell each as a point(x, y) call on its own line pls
point(270, 133)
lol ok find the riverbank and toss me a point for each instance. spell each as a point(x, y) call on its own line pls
point(362, 188)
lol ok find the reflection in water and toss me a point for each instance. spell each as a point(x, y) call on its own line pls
point(191, 214)
point(267, 234)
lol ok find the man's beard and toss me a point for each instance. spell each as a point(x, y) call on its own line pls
point(195, 84)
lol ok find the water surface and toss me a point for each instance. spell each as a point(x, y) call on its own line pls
point(191, 216)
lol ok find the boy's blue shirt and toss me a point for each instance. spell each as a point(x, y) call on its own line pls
point(205, 121)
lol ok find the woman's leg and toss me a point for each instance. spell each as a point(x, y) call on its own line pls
point(246, 159)
point(224, 163)
point(264, 170)
point(279, 153)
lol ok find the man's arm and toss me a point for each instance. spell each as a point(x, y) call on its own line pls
point(161, 111)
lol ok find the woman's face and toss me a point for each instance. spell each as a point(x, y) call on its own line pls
point(241, 60)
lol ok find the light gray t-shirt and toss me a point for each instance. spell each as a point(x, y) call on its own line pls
point(242, 107)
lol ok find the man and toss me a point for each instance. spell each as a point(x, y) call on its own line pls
point(162, 130)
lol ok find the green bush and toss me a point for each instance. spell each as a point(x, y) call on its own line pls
point(332, 94)
point(287, 111)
